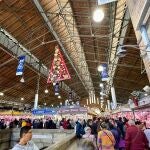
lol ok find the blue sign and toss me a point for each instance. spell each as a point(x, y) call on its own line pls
point(20, 65)
point(104, 73)
point(44, 111)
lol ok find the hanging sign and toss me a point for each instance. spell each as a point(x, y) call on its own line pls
point(58, 70)
point(44, 112)
point(104, 73)
point(102, 2)
point(20, 65)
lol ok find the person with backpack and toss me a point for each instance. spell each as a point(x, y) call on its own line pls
point(105, 140)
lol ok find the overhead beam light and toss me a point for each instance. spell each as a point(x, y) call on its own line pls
point(59, 96)
point(101, 85)
point(145, 94)
point(101, 93)
point(46, 91)
point(100, 68)
point(22, 99)
point(1, 93)
point(98, 15)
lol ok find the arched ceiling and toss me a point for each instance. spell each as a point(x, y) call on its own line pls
point(39, 26)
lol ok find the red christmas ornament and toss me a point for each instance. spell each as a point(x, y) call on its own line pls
point(58, 70)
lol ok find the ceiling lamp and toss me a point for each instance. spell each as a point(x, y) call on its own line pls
point(101, 85)
point(101, 98)
point(1, 93)
point(145, 94)
point(22, 80)
point(100, 68)
point(46, 91)
point(101, 93)
point(59, 96)
point(22, 99)
point(98, 15)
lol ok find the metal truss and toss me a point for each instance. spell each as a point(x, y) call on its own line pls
point(120, 29)
point(73, 50)
point(15, 49)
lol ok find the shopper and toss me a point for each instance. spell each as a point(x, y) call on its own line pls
point(105, 140)
point(116, 135)
point(147, 133)
point(120, 126)
point(25, 142)
point(135, 138)
point(88, 135)
point(80, 129)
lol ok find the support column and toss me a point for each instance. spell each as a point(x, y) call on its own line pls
point(37, 94)
point(113, 95)
point(108, 104)
point(139, 12)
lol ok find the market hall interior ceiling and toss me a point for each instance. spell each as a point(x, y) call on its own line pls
point(34, 28)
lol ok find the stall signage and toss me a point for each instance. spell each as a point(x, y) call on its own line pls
point(44, 112)
point(73, 110)
point(20, 65)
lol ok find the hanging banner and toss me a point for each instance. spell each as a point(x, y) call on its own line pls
point(104, 73)
point(102, 2)
point(20, 67)
point(58, 71)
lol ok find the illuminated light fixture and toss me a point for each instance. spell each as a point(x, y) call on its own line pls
point(101, 93)
point(84, 106)
point(54, 83)
point(59, 96)
point(52, 105)
point(45, 104)
point(22, 99)
point(46, 91)
point(60, 103)
point(56, 93)
point(1, 94)
point(145, 94)
point(100, 68)
point(101, 85)
point(101, 98)
point(22, 80)
point(98, 15)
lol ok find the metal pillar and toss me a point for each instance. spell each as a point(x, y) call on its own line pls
point(87, 101)
point(37, 94)
point(108, 103)
point(113, 95)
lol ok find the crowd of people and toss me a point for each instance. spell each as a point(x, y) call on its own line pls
point(48, 123)
point(103, 133)
point(114, 134)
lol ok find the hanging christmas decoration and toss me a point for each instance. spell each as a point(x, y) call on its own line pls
point(58, 70)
